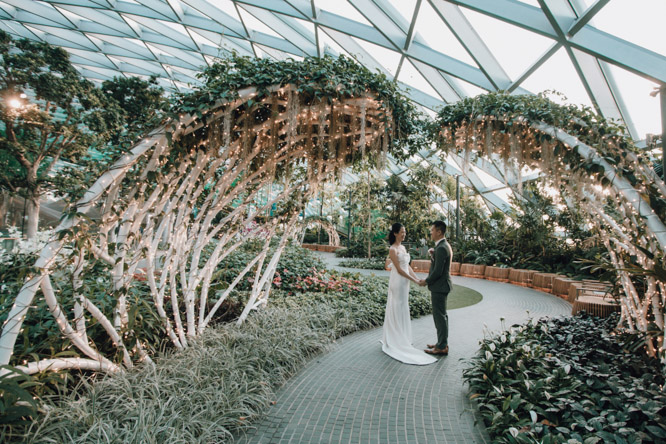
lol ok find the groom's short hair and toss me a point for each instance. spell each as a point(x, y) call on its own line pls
point(440, 225)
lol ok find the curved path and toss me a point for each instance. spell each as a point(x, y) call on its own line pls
point(356, 394)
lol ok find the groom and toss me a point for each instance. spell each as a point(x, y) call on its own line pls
point(439, 284)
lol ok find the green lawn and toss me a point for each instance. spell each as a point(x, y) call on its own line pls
point(460, 296)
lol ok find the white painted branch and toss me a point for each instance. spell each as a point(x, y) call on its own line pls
point(63, 324)
point(176, 310)
point(270, 270)
point(77, 282)
point(66, 364)
point(12, 325)
point(108, 327)
point(203, 324)
point(158, 299)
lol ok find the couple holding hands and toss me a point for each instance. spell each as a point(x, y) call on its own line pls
point(397, 330)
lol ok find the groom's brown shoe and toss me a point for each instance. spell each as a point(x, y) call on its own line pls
point(438, 351)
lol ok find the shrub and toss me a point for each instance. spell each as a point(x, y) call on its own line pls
point(359, 248)
point(557, 380)
point(295, 262)
point(367, 264)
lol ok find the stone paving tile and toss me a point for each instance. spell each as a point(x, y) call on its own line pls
point(356, 394)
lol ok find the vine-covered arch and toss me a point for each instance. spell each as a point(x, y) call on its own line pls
point(184, 198)
point(323, 223)
point(591, 161)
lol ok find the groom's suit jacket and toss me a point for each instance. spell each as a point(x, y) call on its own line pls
point(439, 277)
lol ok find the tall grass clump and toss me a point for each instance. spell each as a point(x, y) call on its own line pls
point(220, 384)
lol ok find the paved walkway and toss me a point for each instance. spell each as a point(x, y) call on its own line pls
point(356, 394)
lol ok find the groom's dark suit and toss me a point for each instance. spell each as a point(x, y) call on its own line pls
point(439, 284)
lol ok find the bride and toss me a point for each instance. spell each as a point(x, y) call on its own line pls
point(397, 330)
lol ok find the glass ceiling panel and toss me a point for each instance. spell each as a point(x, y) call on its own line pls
point(342, 8)
point(254, 24)
point(413, 78)
point(304, 27)
point(438, 36)
point(635, 93)
point(227, 7)
point(638, 21)
point(516, 49)
point(405, 8)
point(387, 58)
point(558, 74)
point(471, 90)
point(330, 46)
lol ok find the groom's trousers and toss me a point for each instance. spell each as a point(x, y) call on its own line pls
point(441, 318)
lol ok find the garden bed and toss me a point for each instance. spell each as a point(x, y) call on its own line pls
point(568, 381)
point(223, 381)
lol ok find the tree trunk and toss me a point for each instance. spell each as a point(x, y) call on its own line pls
point(369, 220)
point(32, 215)
point(4, 207)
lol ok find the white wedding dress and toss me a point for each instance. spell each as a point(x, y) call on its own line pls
point(397, 330)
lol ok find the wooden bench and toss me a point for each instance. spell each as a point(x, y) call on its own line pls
point(420, 265)
point(472, 270)
point(520, 276)
point(455, 269)
point(595, 305)
point(561, 286)
point(588, 288)
point(543, 281)
point(497, 274)
point(317, 247)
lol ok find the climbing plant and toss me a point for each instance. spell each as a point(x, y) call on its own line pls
point(280, 128)
point(596, 164)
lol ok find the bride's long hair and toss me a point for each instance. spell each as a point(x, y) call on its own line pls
point(395, 229)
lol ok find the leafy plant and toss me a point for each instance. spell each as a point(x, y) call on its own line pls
point(368, 264)
point(49, 113)
point(17, 406)
point(556, 380)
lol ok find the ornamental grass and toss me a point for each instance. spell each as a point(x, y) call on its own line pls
point(218, 386)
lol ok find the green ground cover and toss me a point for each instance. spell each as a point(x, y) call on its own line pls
point(568, 380)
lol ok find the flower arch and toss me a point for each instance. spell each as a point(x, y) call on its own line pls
point(184, 198)
point(591, 161)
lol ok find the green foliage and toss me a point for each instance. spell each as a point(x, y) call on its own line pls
point(534, 234)
point(390, 201)
point(609, 139)
point(410, 203)
point(359, 247)
point(561, 379)
point(295, 263)
point(368, 264)
point(315, 236)
point(368, 218)
point(142, 101)
point(220, 383)
point(40, 336)
point(326, 78)
point(142, 105)
point(17, 406)
point(56, 114)
point(324, 282)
